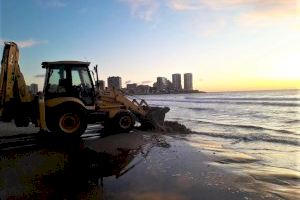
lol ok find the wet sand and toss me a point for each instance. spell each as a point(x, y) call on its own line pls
point(137, 165)
point(9, 129)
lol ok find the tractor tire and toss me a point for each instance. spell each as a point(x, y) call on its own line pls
point(22, 121)
point(123, 122)
point(68, 122)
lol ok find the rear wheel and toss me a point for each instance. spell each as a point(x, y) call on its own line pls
point(22, 121)
point(68, 121)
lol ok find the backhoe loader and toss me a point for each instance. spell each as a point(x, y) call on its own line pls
point(69, 100)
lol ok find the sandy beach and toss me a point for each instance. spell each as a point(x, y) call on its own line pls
point(137, 165)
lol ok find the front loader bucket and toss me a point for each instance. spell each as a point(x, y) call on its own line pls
point(154, 119)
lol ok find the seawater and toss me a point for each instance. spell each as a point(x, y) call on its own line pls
point(255, 132)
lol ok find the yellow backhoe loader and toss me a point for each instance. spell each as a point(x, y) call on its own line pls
point(69, 100)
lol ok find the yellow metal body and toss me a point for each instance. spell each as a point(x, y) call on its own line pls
point(12, 83)
point(42, 114)
point(113, 100)
point(60, 100)
point(13, 86)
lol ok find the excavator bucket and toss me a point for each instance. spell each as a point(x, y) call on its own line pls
point(154, 119)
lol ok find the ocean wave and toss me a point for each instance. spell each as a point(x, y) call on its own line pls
point(253, 127)
point(245, 98)
point(251, 138)
point(270, 104)
point(201, 109)
point(262, 103)
point(295, 121)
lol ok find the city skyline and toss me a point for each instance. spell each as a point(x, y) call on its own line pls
point(228, 45)
point(119, 81)
point(116, 81)
point(162, 86)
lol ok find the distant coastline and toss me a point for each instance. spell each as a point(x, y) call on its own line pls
point(259, 90)
point(198, 91)
point(171, 92)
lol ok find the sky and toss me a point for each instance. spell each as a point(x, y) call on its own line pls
point(228, 45)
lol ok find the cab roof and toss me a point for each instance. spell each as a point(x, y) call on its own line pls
point(65, 62)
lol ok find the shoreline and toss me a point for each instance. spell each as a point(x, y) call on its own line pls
point(186, 92)
point(138, 165)
point(229, 91)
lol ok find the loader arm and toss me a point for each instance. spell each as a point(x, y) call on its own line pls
point(113, 98)
point(134, 106)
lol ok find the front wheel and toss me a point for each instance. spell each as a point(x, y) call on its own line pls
point(69, 121)
point(122, 122)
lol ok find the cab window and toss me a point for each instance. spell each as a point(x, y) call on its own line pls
point(57, 80)
point(82, 84)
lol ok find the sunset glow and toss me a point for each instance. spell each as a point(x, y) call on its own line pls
point(227, 45)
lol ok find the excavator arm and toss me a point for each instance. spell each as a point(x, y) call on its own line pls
point(15, 99)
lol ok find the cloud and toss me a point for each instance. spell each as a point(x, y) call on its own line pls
point(182, 5)
point(240, 13)
point(143, 9)
point(277, 14)
point(251, 14)
point(24, 43)
point(29, 43)
point(39, 76)
point(127, 82)
point(247, 15)
point(146, 82)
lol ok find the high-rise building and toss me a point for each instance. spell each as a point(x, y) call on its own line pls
point(142, 89)
point(162, 83)
point(114, 81)
point(131, 88)
point(100, 84)
point(28, 88)
point(34, 88)
point(176, 80)
point(188, 81)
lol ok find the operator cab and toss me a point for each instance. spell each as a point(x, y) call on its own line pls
point(69, 79)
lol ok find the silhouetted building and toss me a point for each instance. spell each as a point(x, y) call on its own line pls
point(162, 83)
point(188, 81)
point(34, 88)
point(101, 84)
point(142, 89)
point(28, 88)
point(114, 81)
point(131, 88)
point(169, 86)
point(176, 80)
